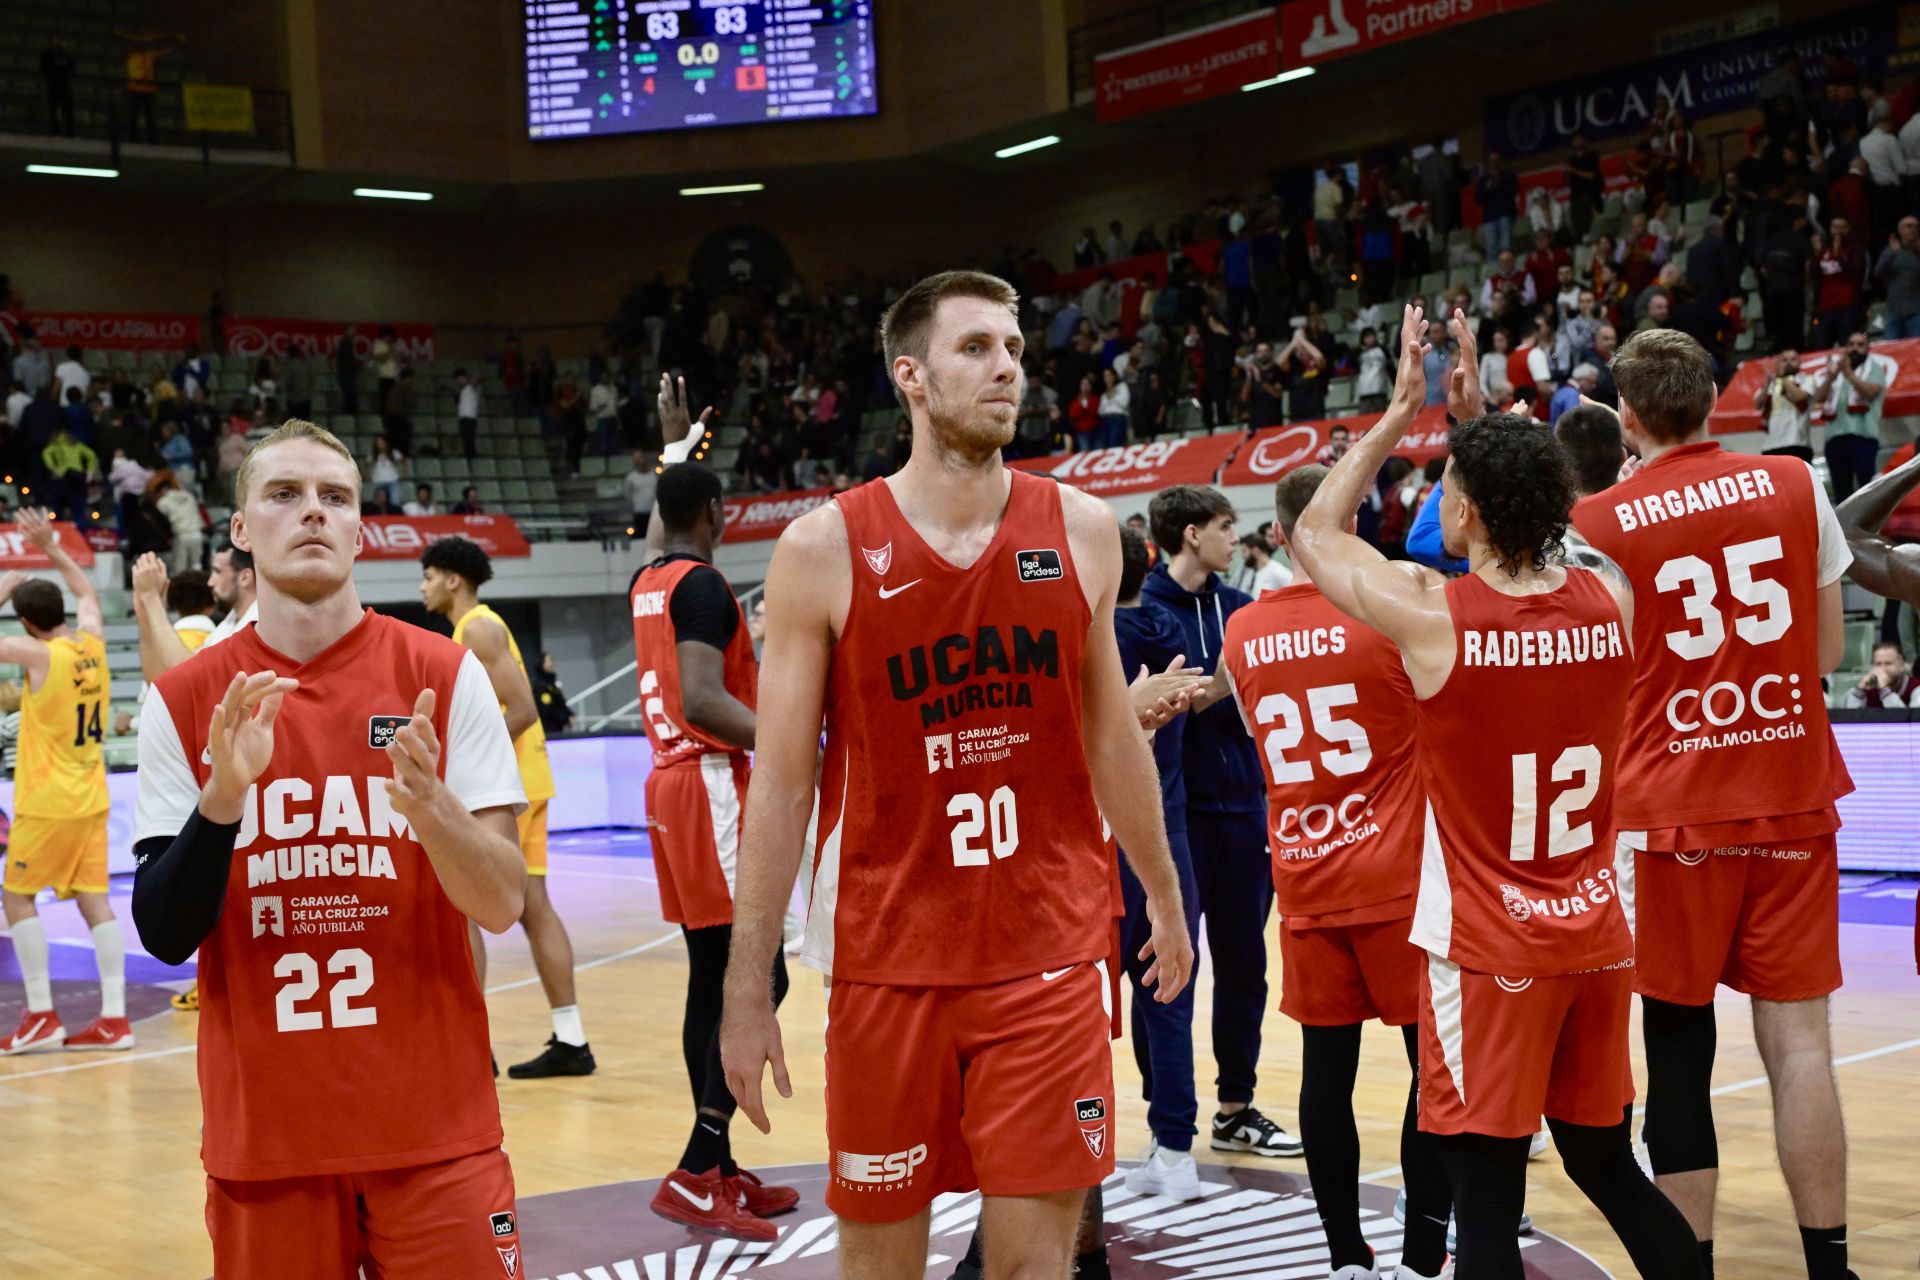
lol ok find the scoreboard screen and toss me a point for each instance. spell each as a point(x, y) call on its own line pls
point(634, 66)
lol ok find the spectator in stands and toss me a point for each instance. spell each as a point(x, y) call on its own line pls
point(1785, 402)
point(469, 504)
point(18, 399)
point(1153, 405)
point(1493, 366)
point(346, 369)
point(638, 486)
point(144, 49)
point(1713, 266)
point(1263, 389)
point(201, 426)
point(1339, 440)
point(1307, 369)
point(1855, 378)
point(1545, 216)
point(1786, 263)
point(1890, 684)
point(603, 403)
point(379, 503)
point(182, 513)
point(31, 368)
point(513, 374)
point(1115, 404)
point(570, 417)
point(128, 481)
point(467, 411)
point(1898, 272)
point(1641, 253)
point(386, 467)
point(1330, 217)
point(396, 410)
point(1584, 186)
point(1659, 312)
point(69, 465)
point(1887, 169)
point(1260, 570)
point(1840, 268)
point(56, 69)
point(176, 454)
point(1682, 151)
point(386, 360)
point(1116, 245)
point(423, 503)
point(264, 387)
point(79, 418)
point(551, 700)
point(1498, 194)
point(162, 395)
point(1087, 251)
point(70, 373)
point(1374, 382)
point(1583, 382)
point(1083, 415)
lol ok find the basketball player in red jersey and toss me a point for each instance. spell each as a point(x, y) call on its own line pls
point(697, 675)
point(325, 799)
point(953, 624)
point(1519, 672)
point(1727, 788)
point(1329, 702)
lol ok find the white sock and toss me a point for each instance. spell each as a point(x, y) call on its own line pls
point(566, 1025)
point(30, 945)
point(110, 954)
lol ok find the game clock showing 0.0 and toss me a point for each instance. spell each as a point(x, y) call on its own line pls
point(635, 66)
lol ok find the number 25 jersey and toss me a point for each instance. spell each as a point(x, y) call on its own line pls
point(341, 1026)
point(958, 843)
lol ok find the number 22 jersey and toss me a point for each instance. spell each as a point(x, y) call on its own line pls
point(341, 1026)
point(958, 843)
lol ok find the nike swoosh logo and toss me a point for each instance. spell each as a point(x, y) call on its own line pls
point(1049, 977)
point(206, 755)
point(888, 593)
point(703, 1203)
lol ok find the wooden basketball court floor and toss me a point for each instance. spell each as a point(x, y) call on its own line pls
point(99, 1173)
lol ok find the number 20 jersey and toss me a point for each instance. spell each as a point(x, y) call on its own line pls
point(1727, 723)
point(341, 1026)
point(958, 843)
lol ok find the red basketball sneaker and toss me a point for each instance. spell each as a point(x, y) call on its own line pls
point(37, 1033)
point(709, 1203)
point(103, 1033)
point(759, 1199)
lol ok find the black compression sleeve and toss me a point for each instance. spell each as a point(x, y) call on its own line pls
point(703, 609)
point(179, 886)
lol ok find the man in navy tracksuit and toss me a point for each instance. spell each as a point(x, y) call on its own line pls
point(1226, 808)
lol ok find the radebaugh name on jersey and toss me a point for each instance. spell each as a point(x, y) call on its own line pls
point(1561, 646)
point(959, 660)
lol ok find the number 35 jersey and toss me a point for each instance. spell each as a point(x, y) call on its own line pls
point(1727, 725)
point(341, 1026)
point(958, 843)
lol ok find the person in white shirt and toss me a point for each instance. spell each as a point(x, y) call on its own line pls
point(467, 409)
point(1493, 365)
point(423, 503)
point(603, 406)
point(1785, 402)
point(639, 486)
point(1260, 570)
point(386, 467)
point(1910, 142)
point(70, 373)
point(1883, 151)
point(17, 403)
point(1374, 383)
point(1115, 400)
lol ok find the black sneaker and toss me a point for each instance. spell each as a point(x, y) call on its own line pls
point(557, 1059)
point(1254, 1134)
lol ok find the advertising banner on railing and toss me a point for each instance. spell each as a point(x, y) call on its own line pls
point(764, 516)
point(17, 553)
point(102, 330)
point(1140, 468)
point(1320, 30)
point(253, 336)
point(405, 537)
point(1274, 451)
point(1734, 411)
point(1188, 67)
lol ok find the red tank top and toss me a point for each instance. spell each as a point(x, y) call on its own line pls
point(958, 840)
point(1332, 710)
point(674, 740)
point(341, 1027)
point(1518, 749)
point(1727, 725)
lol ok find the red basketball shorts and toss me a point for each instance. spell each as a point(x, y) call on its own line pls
point(1764, 919)
point(1008, 1088)
point(693, 820)
point(1342, 974)
point(453, 1218)
point(1496, 1054)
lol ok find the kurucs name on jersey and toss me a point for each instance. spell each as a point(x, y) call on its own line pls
point(965, 664)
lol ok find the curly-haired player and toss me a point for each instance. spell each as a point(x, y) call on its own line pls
point(452, 571)
point(1520, 671)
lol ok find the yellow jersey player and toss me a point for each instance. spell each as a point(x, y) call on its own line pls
point(59, 839)
point(452, 572)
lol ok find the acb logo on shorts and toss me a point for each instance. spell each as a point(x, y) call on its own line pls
point(502, 1224)
point(1089, 1109)
point(1039, 566)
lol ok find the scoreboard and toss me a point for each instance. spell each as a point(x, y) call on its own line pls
point(635, 66)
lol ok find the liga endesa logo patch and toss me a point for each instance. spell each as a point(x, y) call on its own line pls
point(1039, 566)
point(1266, 1220)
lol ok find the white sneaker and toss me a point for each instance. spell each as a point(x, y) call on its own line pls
point(1172, 1174)
point(1408, 1273)
point(1356, 1273)
point(1541, 1141)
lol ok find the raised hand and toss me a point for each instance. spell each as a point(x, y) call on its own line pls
point(1465, 397)
point(240, 736)
point(415, 756)
point(1410, 382)
point(150, 576)
point(37, 525)
point(676, 421)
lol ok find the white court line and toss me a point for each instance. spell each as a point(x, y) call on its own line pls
point(116, 1059)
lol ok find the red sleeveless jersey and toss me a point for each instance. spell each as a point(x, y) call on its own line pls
point(1518, 749)
point(1727, 724)
point(341, 1026)
point(958, 839)
point(675, 741)
point(1332, 710)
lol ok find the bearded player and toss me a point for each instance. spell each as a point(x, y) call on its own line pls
point(1728, 784)
point(953, 625)
point(452, 571)
point(1519, 673)
point(325, 800)
point(1329, 701)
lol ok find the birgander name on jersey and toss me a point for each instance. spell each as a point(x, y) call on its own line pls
point(963, 661)
point(1559, 646)
point(286, 813)
point(1707, 495)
